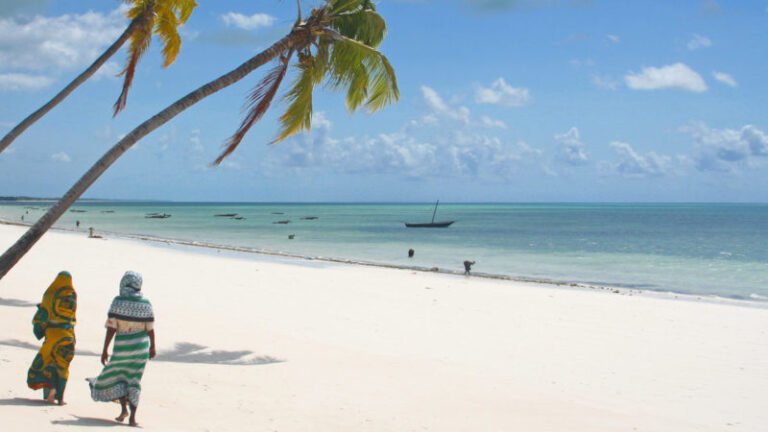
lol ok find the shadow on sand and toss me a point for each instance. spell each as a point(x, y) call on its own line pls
point(184, 352)
point(15, 303)
point(17, 401)
point(86, 421)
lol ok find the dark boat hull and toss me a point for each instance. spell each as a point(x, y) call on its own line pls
point(429, 224)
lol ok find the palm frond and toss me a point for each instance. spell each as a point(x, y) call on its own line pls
point(298, 115)
point(184, 9)
point(364, 25)
point(258, 104)
point(339, 7)
point(354, 64)
point(166, 27)
point(140, 40)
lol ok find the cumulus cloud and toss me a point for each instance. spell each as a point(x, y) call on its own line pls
point(698, 42)
point(501, 93)
point(726, 150)
point(247, 22)
point(438, 106)
point(57, 43)
point(725, 79)
point(675, 76)
point(61, 157)
point(632, 164)
point(18, 81)
point(572, 149)
point(457, 151)
point(613, 38)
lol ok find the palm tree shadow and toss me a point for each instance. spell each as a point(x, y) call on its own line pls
point(187, 352)
point(183, 352)
point(15, 303)
point(86, 421)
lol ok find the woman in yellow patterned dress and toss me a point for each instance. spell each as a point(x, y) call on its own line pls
point(54, 321)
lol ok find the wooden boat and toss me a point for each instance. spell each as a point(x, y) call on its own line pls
point(230, 215)
point(282, 222)
point(309, 218)
point(433, 224)
point(157, 215)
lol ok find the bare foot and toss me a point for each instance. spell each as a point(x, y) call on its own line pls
point(133, 423)
point(121, 417)
point(62, 403)
point(51, 399)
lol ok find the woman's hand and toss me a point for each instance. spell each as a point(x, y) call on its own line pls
point(152, 352)
point(104, 357)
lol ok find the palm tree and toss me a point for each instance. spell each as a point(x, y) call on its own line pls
point(336, 43)
point(147, 17)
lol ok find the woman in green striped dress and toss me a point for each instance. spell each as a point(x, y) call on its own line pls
point(131, 323)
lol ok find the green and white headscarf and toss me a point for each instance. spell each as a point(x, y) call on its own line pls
point(131, 305)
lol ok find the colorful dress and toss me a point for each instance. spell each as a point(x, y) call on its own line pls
point(55, 321)
point(132, 318)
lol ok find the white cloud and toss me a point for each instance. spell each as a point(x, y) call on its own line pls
point(456, 152)
point(698, 42)
point(725, 79)
point(247, 22)
point(492, 123)
point(61, 157)
point(58, 43)
point(19, 81)
point(634, 165)
point(605, 82)
point(675, 76)
point(501, 93)
point(613, 38)
point(727, 149)
point(439, 107)
point(572, 151)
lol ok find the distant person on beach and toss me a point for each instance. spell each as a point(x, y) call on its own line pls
point(131, 322)
point(410, 253)
point(55, 321)
point(77, 224)
point(468, 266)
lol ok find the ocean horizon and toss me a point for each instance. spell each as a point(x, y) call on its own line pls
point(702, 249)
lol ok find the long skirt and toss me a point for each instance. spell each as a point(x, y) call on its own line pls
point(121, 377)
point(50, 368)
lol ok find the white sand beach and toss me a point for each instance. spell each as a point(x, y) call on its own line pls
point(248, 342)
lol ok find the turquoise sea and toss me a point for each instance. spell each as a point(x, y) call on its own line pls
point(701, 249)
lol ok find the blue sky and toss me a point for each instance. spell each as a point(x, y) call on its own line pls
point(529, 100)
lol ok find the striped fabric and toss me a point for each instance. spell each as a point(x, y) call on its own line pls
point(122, 375)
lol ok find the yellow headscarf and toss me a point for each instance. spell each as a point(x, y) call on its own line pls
point(58, 307)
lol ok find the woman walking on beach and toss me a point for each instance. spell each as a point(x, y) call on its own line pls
point(54, 321)
point(130, 322)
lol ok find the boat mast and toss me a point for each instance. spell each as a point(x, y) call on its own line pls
point(435, 212)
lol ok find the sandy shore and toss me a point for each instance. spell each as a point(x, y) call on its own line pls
point(254, 343)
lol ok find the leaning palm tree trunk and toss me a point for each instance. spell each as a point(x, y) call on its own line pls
point(83, 77)
point(36, 231)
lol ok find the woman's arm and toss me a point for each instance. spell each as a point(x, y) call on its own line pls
point(107, 339)
point(152, 351)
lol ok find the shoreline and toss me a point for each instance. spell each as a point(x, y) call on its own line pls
point(213, 248)
point(280, 343)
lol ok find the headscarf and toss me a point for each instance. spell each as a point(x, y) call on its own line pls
point(130, 284)
point(131, 305)
point(58, 307)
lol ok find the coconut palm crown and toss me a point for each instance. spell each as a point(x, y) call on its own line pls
point(160, 17)
point(337, 45)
